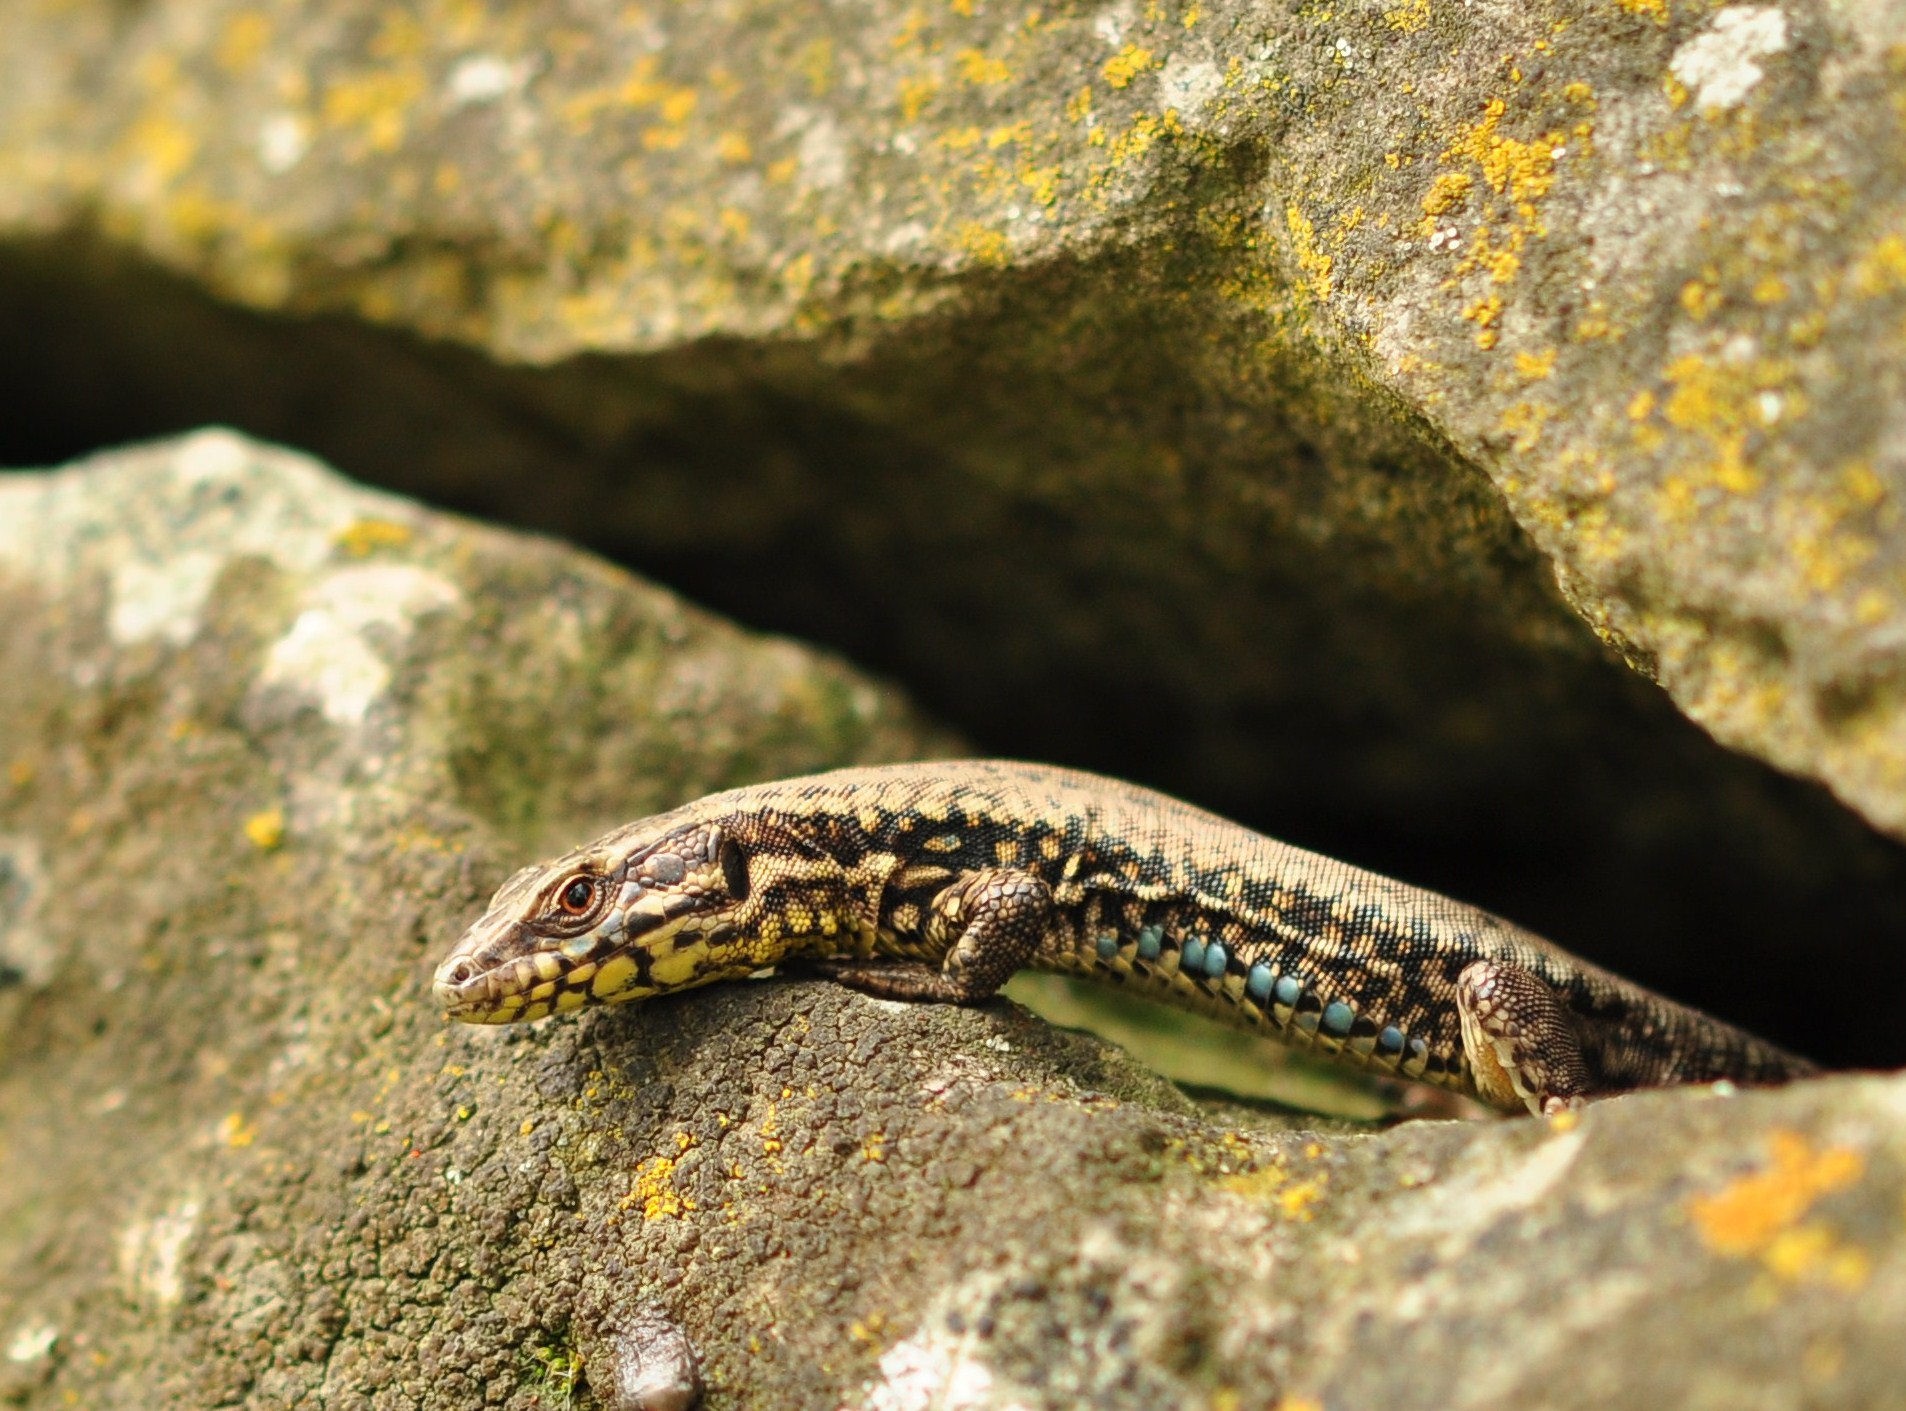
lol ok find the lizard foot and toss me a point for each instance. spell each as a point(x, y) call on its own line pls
point(902, 979)
point(1521, 1042)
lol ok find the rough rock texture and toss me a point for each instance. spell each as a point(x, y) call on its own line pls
point(270, 740)
point(1208, 391)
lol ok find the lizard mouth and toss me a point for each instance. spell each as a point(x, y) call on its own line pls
point(530, 987)
point(493, 978)
point(468, 992)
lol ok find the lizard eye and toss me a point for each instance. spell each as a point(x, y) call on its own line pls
point(577, 896)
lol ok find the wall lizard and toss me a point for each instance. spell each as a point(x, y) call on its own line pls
point(938, 881)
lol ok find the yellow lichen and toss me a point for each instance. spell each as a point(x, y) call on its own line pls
point(1523, 171)
point(1594, 324)
point(1524, 421)
point(1484, 313)
point(1501, 261)
point(1409, 17)
point(1746, 1215)
point(1826, 555)
point(1137, 139)
point(1042, 182)
point(1829, 530)
point(1126, 65)
point(165, 145)
point(815, 62)
point(377, 102)
point(1718, 404)
point(1520, 174)
point(654, 1193)
point(1315, 263)
point(1769, 289)
point(363, 537)
point(1536, 367)
point(978, 68)
point(1730, 469)
point(401, 35)
point(1656, 10)
point(266, 829)
point(1882, 269)
point(1762, 1215)
point(1717, 399)
point(1676, 501)
point(1449, 188)
point(985, 246)
point(1863, 484)
point(1274, 1186)
point(243, 39)
point(1701, 297)
point(1807, 330)
point(915, 94)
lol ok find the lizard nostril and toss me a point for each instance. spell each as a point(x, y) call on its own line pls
point(460, 973)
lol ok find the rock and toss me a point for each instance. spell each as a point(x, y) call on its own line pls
point(1210, 392)
point(271, 739)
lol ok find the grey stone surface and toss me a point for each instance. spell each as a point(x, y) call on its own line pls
point(269, 741)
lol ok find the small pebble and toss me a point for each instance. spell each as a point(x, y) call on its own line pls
point(652, 1367)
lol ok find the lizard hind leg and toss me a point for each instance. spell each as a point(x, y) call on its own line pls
point(990, 922)
point(1522, 1045)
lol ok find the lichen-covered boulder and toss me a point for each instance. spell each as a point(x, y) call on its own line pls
point(269, 741)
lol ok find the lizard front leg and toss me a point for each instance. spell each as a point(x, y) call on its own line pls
point(989, 921)
point(1522, 1044)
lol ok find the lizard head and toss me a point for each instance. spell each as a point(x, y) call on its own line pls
point(659, 905)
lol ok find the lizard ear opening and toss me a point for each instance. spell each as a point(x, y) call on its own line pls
point(734, 869)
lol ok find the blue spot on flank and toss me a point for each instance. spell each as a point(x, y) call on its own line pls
point(1215, 959)
point(1151, 940)
point(1419, 1050)
point(1391, 1040)
point(1288, 989)
point(1191, 956)
point(1338, 1017)
point(1258, 983)
point(1107, 947)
